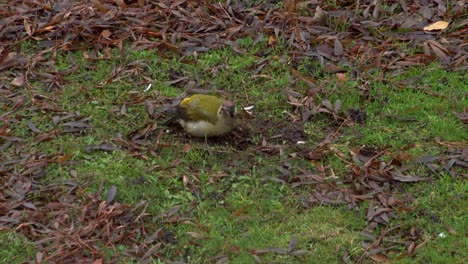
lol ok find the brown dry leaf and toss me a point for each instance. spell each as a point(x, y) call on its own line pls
point(106, 33)
point(426, 12)
point(111, 194)
point(300, 252)
point(398, 176)
point(100, 7)
point(185, 180)
point(290, 5)
point(439, 51)
point(197, 235)
point(462, 116)
point(341, 77)
point(152, 251)
point(103, 147)
point(320, 16)
point(332, 68)
point(338, 48)
point(437, 26)
point(27, 27)
point(18, 81)
point(238, 212)
point(412, 248)
point(47, 136)
point(63, 158)
point(277, 250)
point(32, 126)
point(39, 257)
point(380, 258)
point(292, 244)
point(451, 230)
point(98, 261)
point(121, 4)
point(187, 147)
point(272, 40)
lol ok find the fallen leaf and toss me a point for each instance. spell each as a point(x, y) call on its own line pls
point(437, 26)
point(197, 235)
point(462, 116)
point(32, 126)
point(152, 251)
point(320, 16)
point(276, 250)
point(39, 257)
point(292, 243)
point(238, 212)
point(18, 81)
point(106, 33)
point(337, 48)
point(290, 5)
point(98, 261)
point(111, 194)
point(379, 258)
point(103, 147)
point(412, 248)
point(272, 40)
point(341, 77)
point(451, 230)
point(300, 252)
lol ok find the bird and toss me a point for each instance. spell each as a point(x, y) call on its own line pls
point(202, 115)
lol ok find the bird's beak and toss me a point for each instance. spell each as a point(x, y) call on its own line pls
point(229, 108)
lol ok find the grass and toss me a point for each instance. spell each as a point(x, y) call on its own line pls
point(441, 210)
point(15, 248)
point(238, 211)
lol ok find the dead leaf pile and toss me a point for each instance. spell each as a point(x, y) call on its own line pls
point(361, 35)
point(68, 224)
point(73, 226)
point(380, 184)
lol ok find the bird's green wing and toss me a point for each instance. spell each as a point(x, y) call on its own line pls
point(200, 107)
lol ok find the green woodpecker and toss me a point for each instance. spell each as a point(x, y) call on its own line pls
point(203, 115)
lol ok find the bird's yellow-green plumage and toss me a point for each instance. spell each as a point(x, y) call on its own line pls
point(201, 107)
point(205, 115)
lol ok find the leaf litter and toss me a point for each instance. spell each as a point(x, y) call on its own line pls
point(68, 224)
